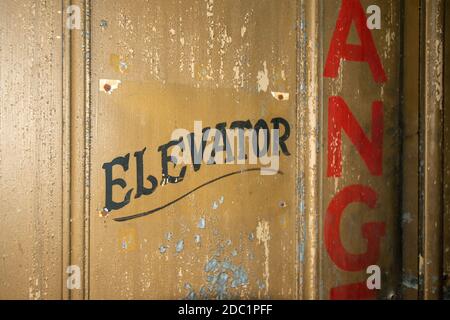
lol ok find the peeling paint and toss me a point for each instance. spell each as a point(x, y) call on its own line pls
point(406, 218)
point(263, 79)
point(202, 223)
point(180, 246)
point(243, 31)
point(108, 86)
point(216, 204)
point(263, 235)
point(410, 282)
point(280, 96)
point(162, 249)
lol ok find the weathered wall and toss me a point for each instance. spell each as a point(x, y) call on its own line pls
point(349, 176)
point(424, 153)
point(210, 61)
point(30, 149)
point(360, 179)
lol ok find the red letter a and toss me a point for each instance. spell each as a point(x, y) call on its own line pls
point(352, 11)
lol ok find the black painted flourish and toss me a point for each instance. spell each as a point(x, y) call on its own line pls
point(147, 213)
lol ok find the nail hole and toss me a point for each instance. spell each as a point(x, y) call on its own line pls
point(392, 296)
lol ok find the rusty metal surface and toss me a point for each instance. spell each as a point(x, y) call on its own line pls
point(30, 149)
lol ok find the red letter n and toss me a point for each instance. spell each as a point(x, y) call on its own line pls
point(341, 118)
point(352, 11)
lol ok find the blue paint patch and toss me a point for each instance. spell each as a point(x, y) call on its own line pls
point(202, 223)
point(212, 265)
point(410, 282)
point(191, 295)
point(203, 293)
point(211, 279)
point(227, 265)
point(162, 249)
point(180, 246)
point(240, 278)
point(301, 193)
point(222, 276)
point(234, 253)
point(301, 251)
point(222, 279)
point(260, 284)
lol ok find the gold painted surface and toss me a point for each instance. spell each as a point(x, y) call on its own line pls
point(167, 64)
point(177, 62)
point(30, 150)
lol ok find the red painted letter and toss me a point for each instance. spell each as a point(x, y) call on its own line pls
point(340, 117)
point(372, 231)
point(352, 11)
